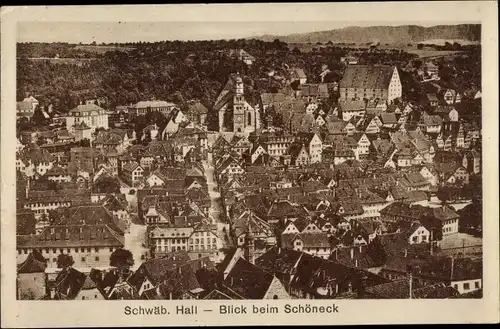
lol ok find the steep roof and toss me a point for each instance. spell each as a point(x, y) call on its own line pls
point(367, 77)
point(153, 104)
point(87, 108)
point(248, 280)
point(34, 263)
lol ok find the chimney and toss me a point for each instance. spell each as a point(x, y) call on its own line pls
point(356, 263)
point(352, 253)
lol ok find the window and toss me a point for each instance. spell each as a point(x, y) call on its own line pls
point(466, 286)
point(82, 249)
point(96, 258)
point(476, 285)
point(83, 259)
point(76, 249)
point(54, 260)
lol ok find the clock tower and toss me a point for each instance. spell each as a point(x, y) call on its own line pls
point(238, 106)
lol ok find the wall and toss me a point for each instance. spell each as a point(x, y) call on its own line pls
point(276, 290)
point(31, 285)
point(473, 285)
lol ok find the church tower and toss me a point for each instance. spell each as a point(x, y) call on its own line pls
point(238, 106)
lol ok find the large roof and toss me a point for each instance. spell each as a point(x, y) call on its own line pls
point(153, 104)
point(87, 108)
point(367, 77)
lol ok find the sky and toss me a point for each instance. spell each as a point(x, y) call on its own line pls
point(121, 32)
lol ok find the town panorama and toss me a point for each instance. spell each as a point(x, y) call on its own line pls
point(250, 169)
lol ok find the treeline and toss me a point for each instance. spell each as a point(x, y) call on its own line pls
point(178, 71)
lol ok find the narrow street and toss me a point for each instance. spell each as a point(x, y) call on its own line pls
point(135, 241)
point(215, 206)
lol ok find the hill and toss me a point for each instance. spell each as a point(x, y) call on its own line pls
point(385, 34)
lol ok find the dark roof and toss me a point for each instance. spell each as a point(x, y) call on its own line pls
point(69, 282)
point(34, 263)
point(248, 280)
point(367, 77)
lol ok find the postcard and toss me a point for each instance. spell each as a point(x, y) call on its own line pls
point(238, 164)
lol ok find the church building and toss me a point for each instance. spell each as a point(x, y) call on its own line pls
point(235, 113)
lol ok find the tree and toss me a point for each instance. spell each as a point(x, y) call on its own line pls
point(121, 258)
point(107, 184)
point(434, 225)
point(38, 118)
point(65, 261)
point(444, 195)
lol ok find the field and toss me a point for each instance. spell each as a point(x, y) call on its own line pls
point(102, 49)
point(74, 61)
point(428, 53)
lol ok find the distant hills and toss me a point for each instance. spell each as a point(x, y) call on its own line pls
point(385, 34)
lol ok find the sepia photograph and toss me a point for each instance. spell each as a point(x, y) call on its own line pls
point(224, 161)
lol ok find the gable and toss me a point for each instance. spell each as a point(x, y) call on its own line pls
point(291, 228)
point(276, 290)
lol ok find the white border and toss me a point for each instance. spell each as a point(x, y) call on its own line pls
point(107, 313)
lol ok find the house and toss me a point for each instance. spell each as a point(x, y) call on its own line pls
point(88, 233)
point(31, 277)
point(459, 176)
point(313, 143)
point(433, 100)
point(432, 70)
point(299, 155)
point(363, 145)
point(472, 161)
point(430, 123)
point(417, 233)
point(132, 172)
point(174, 276)
point(143, 107)
point(313, 243)
point(370, 82)
point(388, 120)
point(370, 124)
point(352, 108)
point(197, 112)
point(297, 74)
point(400, 211)
point(309, 277)
point(89, 290)
point(249, 281)
point(58, 174)
point(175, 119)
point(90, 115)
point(310, 92)
point(242, 55)
point(451, 96)
point(229, 166)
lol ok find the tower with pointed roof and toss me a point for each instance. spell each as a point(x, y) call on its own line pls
point(238, 105)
